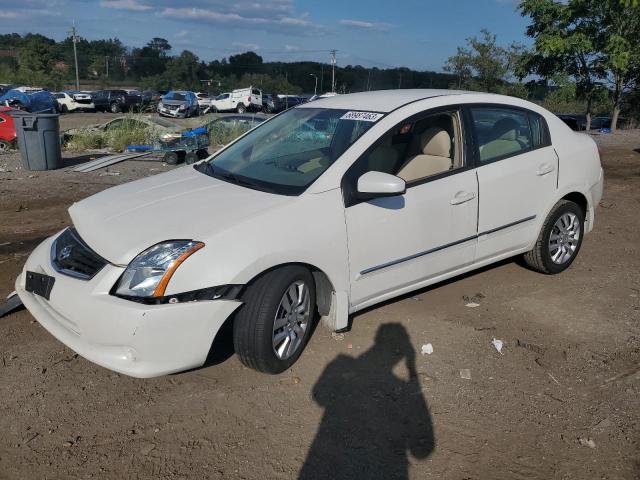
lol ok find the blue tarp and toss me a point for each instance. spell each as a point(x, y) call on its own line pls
point(34, 102)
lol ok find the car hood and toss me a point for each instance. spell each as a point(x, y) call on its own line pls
point(123, 221)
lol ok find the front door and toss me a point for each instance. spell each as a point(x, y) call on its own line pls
point(398, 243)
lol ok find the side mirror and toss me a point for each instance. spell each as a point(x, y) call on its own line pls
point(379, 184)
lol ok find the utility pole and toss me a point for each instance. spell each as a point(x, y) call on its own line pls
point(315, 89)
point(74, 38)
point(321, 77)
point(106, 59)
point(333, 70)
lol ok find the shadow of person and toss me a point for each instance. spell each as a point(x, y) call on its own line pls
point(373, 418)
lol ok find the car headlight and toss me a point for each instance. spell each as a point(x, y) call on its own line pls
point(149, 273)
point(182, 107)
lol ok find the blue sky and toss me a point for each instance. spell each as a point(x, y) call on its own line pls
point(418, 34)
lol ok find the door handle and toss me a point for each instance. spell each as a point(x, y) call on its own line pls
point(544, 169)
point(462, 197)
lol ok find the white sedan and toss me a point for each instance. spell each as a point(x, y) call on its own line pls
point(390, 192)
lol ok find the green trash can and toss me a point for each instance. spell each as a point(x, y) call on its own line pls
point(38, 140)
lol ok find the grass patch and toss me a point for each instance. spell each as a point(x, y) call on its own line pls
point(221, 134)
point(116, 137)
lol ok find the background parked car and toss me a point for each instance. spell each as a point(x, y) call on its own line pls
point(71, 102)
point(39, 101)
point(204, 100)
point(277, 103)
point(179, 103)
point(241, 101)
point(7, 130)
point(115, 101)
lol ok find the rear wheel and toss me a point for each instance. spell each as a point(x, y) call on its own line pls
point(191, 157)
point(115, 108)
point(274, 324)
point(560, 239)
point(171, 158)
point(5, 146)
point(240, 108)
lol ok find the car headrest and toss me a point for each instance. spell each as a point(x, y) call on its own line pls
point(506, 129)
point(436, 141)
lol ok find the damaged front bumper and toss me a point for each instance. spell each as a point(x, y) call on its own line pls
point(136, 339)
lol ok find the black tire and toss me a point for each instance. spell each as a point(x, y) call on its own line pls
point(191, 158)
point(253, 323)
point(64, 109)
point(171, 158)
point(115, 108)
point(540, 258)
point(240, 108)
point(202, 153)
point(5, 146)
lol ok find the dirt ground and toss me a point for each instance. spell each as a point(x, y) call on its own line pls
point(563, 401)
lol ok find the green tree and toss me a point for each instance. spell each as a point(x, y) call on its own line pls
point(564, 45)
point(590, 40)
point(483, 64)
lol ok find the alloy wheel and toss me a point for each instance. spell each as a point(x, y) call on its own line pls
point(564, 238)
point(291, 320)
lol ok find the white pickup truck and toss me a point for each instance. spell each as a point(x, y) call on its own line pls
point(241, 101)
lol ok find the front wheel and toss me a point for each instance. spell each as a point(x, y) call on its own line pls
point(115, 108)
point(272, 328)
point(560, 239)
point(241, 108)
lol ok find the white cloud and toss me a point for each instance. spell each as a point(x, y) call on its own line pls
point(380, 26)
point(9, 14)
point(131, 5)
point(249, 18)
point(246, 46)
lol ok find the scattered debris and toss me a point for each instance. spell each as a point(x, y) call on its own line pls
point(473, 301)
point(337, 336)
point(553, 378)
point(587, 442)
point(296, 380)
point(539, 349)
point(349, 346)
point(498, 345)
point(465, 373)
point(427, 349)
point(12, 303)
point(417, 299)
point(107, 161)
point(31, 438)
point(109, 174)
point(67, 444)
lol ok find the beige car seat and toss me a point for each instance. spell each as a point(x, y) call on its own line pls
point(435, 144)
point(505, 132)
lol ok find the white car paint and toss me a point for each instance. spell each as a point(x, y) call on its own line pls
point(250, 98)
point(369, 252)
point(77, 101)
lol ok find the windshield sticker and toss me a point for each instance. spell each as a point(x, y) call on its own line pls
point(362, 116)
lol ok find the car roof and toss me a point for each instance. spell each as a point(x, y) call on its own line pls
point(379, 101)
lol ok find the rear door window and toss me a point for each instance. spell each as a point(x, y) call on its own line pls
point(501, 132)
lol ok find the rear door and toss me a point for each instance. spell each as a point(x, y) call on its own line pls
point(517, 170)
